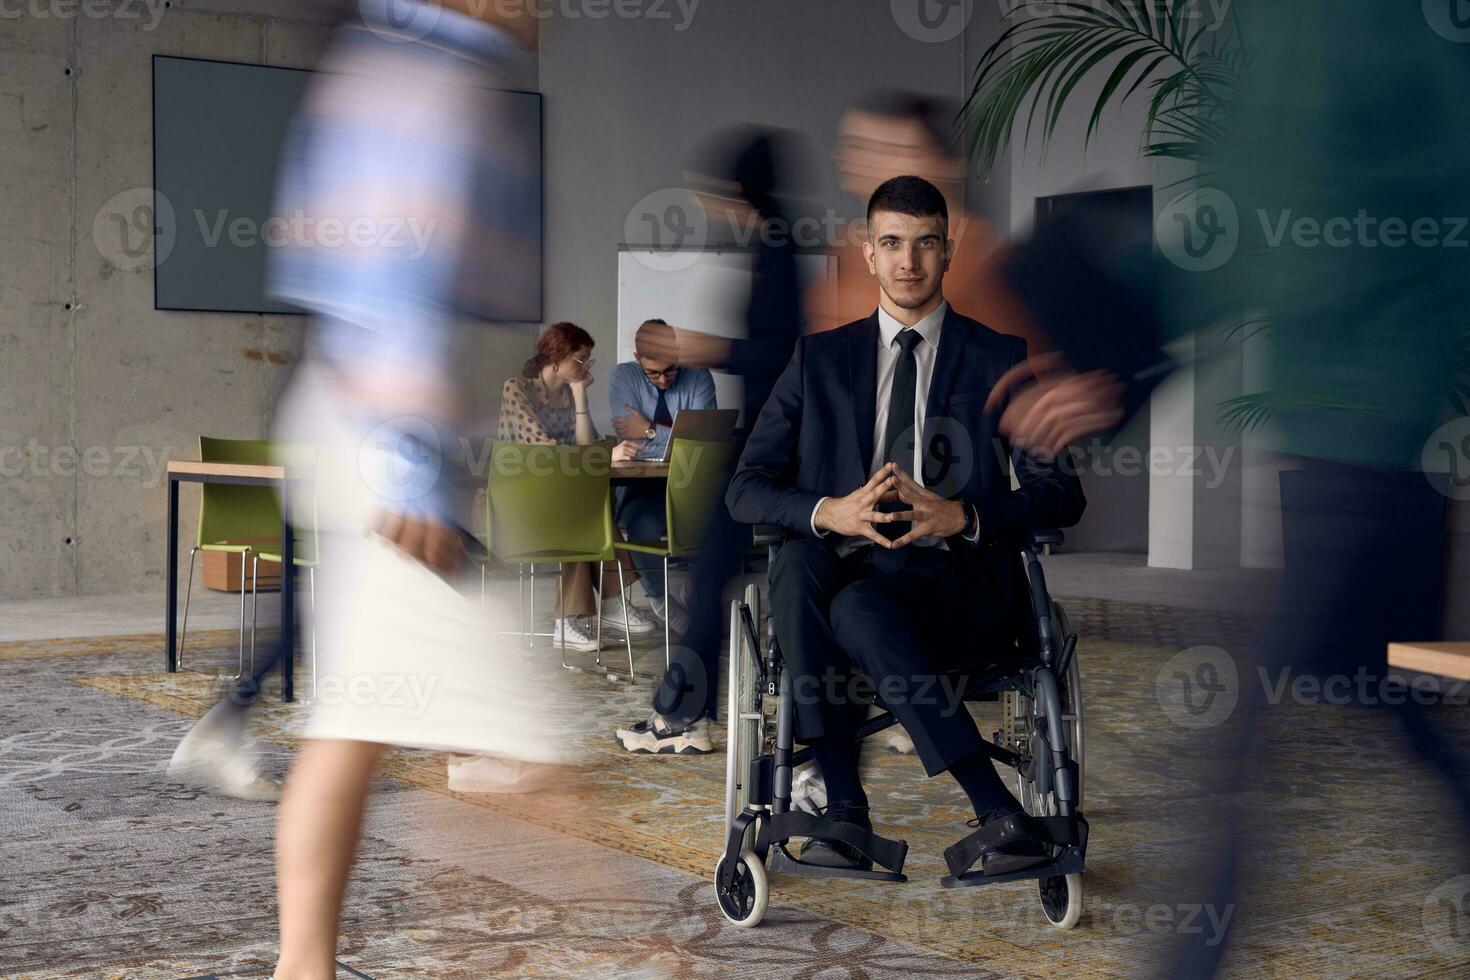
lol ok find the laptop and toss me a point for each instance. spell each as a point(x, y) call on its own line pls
point(706, 425)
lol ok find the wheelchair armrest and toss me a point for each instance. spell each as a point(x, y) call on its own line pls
point(1037, 537)
point(768, 534)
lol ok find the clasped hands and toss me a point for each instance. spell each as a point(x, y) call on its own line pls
point(856, 514)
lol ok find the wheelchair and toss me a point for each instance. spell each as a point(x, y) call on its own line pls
point(1039, 692)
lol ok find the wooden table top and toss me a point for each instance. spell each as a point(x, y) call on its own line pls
point(1442, 659)
point(640, 469)
point(636, 469)
point(193, 467)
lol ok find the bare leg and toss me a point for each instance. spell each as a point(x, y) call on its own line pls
point(316, 841)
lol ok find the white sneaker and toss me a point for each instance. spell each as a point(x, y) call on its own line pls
point(809, 790)
point(575, 631)
point(674, 612)
point(657, 736)
point(217, 754)
point(638, 622)
point(492, 774)
point(898, 740)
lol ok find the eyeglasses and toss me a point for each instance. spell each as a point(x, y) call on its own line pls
point(668, 372)
point(588, 363)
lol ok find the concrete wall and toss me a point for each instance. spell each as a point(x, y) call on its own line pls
point(90, 368)
point(97, 389)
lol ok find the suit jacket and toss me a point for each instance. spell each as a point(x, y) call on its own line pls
point(814, 438)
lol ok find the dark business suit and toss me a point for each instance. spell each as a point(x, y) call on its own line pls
point(906, 616)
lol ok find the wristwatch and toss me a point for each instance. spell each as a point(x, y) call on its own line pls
point(971, 520)
point(650, 433)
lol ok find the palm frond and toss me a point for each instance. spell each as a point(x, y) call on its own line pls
point(1038, 62)
point(1246, 412)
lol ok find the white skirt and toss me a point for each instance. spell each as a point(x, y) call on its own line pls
point(404, 657)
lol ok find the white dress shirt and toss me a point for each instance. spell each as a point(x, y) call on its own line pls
point(926, 352)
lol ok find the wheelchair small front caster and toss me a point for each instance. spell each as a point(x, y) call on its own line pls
point(1061, 899)
point(744, 902)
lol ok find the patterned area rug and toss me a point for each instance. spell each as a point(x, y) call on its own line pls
point(113, 869)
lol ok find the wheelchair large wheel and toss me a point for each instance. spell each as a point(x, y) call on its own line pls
point(746, 732)
point(1020, 718)
point(744, 902)
point(1071, 690)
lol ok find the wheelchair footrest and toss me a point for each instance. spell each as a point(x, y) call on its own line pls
point(782, 862)
point(795, 823)
point(1069, 862)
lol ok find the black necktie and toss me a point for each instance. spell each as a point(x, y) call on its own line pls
point(661, 414)
point(900, 421)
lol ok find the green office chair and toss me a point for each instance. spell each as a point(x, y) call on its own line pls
point(233, 519)
point(696, 486)
point(551, 504)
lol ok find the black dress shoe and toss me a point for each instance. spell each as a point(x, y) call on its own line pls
point(834, 853)
point(1022, 851)
point(1017, 848)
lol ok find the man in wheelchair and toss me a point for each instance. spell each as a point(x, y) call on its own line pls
point(876, 457)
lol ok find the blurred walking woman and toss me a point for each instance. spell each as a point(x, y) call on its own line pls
point(548, 406)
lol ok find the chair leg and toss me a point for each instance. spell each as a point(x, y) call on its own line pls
point(601, 572)
point(188, 589)
point(627, 631)
point(244, 560)
point(521, 606)
point(482, 585)
point(531, 637)
point(254, 605)
point(668, 659)
point(311, 588)
point(561, 611)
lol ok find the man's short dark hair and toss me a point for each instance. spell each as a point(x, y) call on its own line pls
point(909, 195)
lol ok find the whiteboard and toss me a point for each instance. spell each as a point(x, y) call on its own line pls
point(705, 290)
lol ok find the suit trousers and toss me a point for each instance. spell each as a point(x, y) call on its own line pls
point(890, 626)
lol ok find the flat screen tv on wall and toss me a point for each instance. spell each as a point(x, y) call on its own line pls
point(218, 129)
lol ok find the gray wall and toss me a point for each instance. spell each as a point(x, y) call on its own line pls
point(628, 100)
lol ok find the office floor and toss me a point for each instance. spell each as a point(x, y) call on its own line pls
point(1106, 575)
point(113, 869)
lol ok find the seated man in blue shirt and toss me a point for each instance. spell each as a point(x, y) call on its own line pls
point(646, 393)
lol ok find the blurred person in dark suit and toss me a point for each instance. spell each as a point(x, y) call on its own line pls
point(1349, 122)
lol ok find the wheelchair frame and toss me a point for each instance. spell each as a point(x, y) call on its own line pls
point(1041, 738)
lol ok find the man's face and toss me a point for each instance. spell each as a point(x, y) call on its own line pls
point(909, 255)
point(660, 373)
